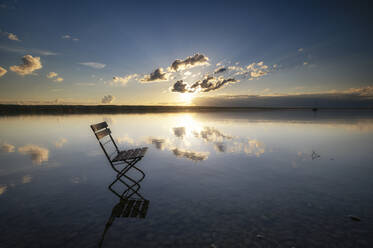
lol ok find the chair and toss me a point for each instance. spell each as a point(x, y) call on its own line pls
point(117, 159)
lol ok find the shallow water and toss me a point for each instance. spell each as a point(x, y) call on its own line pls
point(241, 179)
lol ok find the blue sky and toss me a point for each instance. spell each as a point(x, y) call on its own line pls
point(294, 47)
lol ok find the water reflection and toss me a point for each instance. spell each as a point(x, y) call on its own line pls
point(38, 154)
point(60, 142)
point(7, 147)
point(192, 155)
point(179, 132)
point(257, 179)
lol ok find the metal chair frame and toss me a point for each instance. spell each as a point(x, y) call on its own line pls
point(101, 130)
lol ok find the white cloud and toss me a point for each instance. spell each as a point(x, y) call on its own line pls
point(52, 74)
point(69, 37)
point(124, 80)
point(93, 65)
point(30, 64)
point(2, 71)
point(13, 37)
point(108, 99)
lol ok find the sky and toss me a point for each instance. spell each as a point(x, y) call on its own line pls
point(221, 53)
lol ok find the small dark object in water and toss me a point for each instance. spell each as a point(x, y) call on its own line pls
point(354, 218)
point(314, 155)
point(315, 109)
point(259, 236)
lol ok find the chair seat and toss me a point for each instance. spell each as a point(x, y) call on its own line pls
point(130, 154)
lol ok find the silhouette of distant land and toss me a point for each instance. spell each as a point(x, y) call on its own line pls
point(14, 109)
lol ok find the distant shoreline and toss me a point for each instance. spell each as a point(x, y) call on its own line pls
point(8, 109)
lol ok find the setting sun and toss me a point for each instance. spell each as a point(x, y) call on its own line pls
point(187, 98)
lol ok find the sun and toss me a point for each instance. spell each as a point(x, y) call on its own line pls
point(186, 98)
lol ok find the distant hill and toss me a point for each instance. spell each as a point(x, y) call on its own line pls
point(112, 109)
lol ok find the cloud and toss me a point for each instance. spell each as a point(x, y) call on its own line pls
point(191, 61)
point(60, 142)
point(7, 148)
point(181, 87)
point(349, 98)
point(38, 154)
point(27, 50)
point(179, 131)
point(29, 65)
point(257, 69)
point(107, 99)
point(220, 70)
point(94, 65)
point(251, 71)
point(10, 36)
point(192, 155)
point(210, 83)
point(52, 74)
point(157, 75)
point(69, 37)
point(13, 37)
point(2, 71)
point(124, 80)
point(58, 80)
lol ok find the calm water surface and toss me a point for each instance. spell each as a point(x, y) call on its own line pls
point(254, 179)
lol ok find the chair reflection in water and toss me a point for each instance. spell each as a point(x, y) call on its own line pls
point(131, 203)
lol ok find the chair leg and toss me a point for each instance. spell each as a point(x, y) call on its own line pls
point(122, 173)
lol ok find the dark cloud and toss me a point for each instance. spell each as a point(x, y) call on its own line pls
point(181, 87)
point(352, 98)
point(157, 75)
point(108, 99)
point(220, 70)
point(191, 61)
point(210, 83)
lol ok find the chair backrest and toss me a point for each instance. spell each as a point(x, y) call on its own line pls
point(103, 135)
